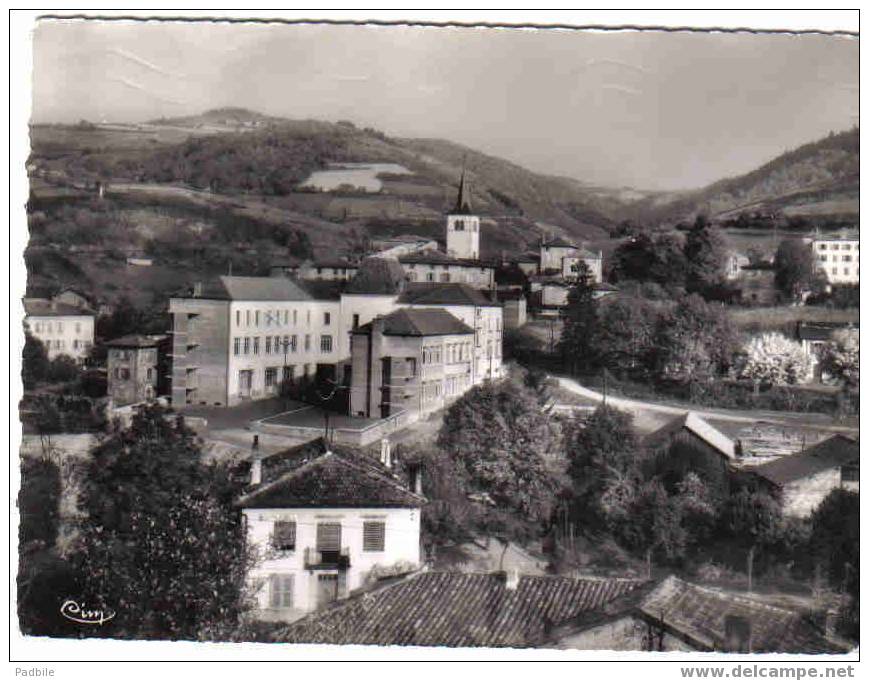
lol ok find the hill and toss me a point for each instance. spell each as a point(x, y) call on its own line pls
point(818, 183)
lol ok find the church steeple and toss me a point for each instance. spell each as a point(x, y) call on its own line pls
point(463, 200)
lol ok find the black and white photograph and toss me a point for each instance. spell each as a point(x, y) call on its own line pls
point(435, 340)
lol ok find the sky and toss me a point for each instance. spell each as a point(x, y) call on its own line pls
point(650, 110)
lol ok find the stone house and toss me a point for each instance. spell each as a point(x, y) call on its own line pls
point(434, 266)
point(136, 368)
point(801, 481)
point(325, 521)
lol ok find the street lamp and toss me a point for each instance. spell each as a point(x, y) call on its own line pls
point(286, 343)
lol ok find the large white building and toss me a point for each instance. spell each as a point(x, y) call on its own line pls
point(838, 257)
point(63, 329)
point(323, 522)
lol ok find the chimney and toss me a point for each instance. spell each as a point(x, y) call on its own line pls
point(511, 579)
point(737, 634)
point(256, 471)
point(385, 453)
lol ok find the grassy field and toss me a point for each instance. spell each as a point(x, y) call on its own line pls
point(785, 318)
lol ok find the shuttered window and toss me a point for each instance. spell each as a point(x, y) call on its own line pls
point(373, 536)
point(329, 536)
point(284, 535)
point(281, 591)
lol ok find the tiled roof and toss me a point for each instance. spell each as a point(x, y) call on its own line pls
point(456, 609)
point(378, 275)
point(444, 294)
point(37, 307)
point(323, 289)
point(432, 257)
point(251, 288)
point(693, 423)
point(557, 242)
point(833, 452)
point(821, 330)
point(136, 341)
point(338, 478)
point(698, 613)
point(419, 322)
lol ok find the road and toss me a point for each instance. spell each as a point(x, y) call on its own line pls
point(650, 415)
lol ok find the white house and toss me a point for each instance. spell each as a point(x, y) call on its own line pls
point(63, 329)
point(325, 521)
point(839, 257)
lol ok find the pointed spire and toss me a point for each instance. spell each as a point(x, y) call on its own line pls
point(463, 200)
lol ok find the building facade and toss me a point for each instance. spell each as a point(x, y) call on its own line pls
point(63, 329)
point(838, 257)
point(433, 266)
point(134, 368)
point(412, 360)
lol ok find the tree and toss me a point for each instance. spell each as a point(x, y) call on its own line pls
point(841, 357)
point(772, 359)
point(654, 525)
point(658, 259)
point(795, 269)
point(34, 362)
point(162, 545)
point(508, 447)
point(754, 519)
point(63, 369)
point(580, 320)
point(694, 339)
point(835, 545)
point(705, 256)
point(625, 333)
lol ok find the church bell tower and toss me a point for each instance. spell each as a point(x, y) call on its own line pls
point(463, 227)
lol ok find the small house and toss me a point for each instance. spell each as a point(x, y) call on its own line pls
point(135, 370)
point(801, 481)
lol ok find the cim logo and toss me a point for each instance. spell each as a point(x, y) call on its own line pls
point(77, 612)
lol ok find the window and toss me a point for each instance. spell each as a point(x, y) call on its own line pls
point(287, 375)
point(256, 318)
point(411, 366)
point(247, 345)
point(325, 343)
point(285, 317)
point(271, 377)
point(247, 317)
point(373, 536)
point(307, 342)
point(308, 317)
point(356, 321)
point(329, 538)
point(293, 342)
point(295, 316)
point(429, 276)
point(256, 345)
point(238, 317)
point(60, 327)
point(38, 327)
point(846, 271)
point(327, 318)
point(822, 247)
point(149, 374)
point(281, 591)
point(460, 225)
point(122, 374)
point(236, 346)
point(268, 345)
point(48, 327)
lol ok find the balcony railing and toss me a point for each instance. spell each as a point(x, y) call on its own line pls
point(327, 560)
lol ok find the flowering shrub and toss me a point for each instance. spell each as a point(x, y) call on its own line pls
point(841, 356)
point(772, 359)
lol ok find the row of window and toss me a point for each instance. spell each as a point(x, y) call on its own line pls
point(329, 536)
point(60, 344)
point(456, 385)
point(275, 317)
point(846, 272)
point(431, 390)
point(836, 247)
point(835, 258)
point(459, 226)
point(277, 345)
point(52, 327)
point(123, 374)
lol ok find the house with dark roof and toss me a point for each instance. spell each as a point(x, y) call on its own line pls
point(688, 443)
point(333, 269)
point(434, 266)
point(457, 609)
point(480, 310)
point(325, 521)
point(64, 329)
point(413, 360)
point(801, 481)
point(675, 615)
point(561, 257)
point(137, 368)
